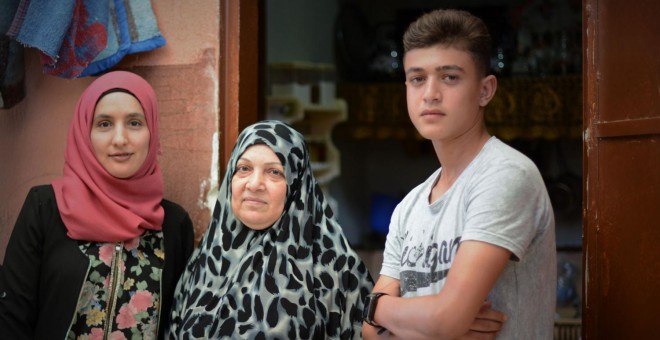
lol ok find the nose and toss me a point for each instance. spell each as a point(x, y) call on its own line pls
point(432, 91)
point(119, 136)
point(255, 181)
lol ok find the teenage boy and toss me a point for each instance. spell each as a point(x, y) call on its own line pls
point(481, 227)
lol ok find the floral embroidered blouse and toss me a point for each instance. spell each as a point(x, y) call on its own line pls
point(121, 297)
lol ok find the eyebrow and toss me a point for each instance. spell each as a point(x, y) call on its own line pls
point(242, 158)
point(130, 115)
point(451, 67)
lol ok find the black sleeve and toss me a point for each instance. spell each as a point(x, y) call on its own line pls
point(188, 243)
point(19, 280)
point(179, 244)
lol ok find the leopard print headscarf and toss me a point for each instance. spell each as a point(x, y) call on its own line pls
point(298, 279)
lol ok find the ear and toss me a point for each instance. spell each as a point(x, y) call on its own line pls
point(488, 88)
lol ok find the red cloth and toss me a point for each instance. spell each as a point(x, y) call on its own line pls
point(94, 205)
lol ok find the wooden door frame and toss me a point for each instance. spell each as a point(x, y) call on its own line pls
point(241, 71)
point(589, 167)
point(612, 274)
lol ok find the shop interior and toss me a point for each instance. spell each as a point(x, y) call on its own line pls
point(334, 71)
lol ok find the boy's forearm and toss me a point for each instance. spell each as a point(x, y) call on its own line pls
point(448, 314)
point(370, 332)
point(419, 318)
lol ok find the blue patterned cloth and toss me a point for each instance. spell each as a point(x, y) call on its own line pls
point(132, 28)
point(85, 37)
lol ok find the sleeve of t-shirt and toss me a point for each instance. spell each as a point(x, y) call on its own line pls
point(392, 252)
point(504, 207)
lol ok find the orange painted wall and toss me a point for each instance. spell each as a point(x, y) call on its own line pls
point(184, 74)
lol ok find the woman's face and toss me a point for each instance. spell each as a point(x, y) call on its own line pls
point(258, 188)
point(120, 135)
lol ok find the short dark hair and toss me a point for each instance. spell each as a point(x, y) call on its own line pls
point(455, 28)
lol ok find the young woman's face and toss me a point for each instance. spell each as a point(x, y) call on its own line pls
point(258, 188)
point(120, 135)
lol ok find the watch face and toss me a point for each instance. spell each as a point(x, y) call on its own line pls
point(367, 304)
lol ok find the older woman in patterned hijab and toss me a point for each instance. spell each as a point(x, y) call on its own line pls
point(274, 262)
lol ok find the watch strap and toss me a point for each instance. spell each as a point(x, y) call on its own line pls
point(370, 308)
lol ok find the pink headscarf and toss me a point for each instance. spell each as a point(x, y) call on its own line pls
point(94, 205)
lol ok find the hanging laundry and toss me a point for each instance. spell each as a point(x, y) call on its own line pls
point(132, 28)
point(77, 38)
point(12, 72)
point(69, 34)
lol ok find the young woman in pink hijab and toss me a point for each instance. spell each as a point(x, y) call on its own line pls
point(97, 253)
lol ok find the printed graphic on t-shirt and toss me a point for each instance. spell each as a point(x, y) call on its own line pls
point(426, 264)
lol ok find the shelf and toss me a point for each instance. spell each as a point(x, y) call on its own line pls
point(316, 123)
point(321, 166)
point(315, 138)
point(290, 109)
point(286, 109)
point(339, 108)
point(523, 107)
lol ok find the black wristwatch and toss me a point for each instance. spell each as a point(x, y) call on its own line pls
point(370, 308)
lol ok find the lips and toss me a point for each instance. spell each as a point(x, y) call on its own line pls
point(121, 157)
point(432, 113)
point(254, 201)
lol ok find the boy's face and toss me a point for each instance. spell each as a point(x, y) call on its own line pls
point(445, 93)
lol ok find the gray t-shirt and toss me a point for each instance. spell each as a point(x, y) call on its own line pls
point(500, 198)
